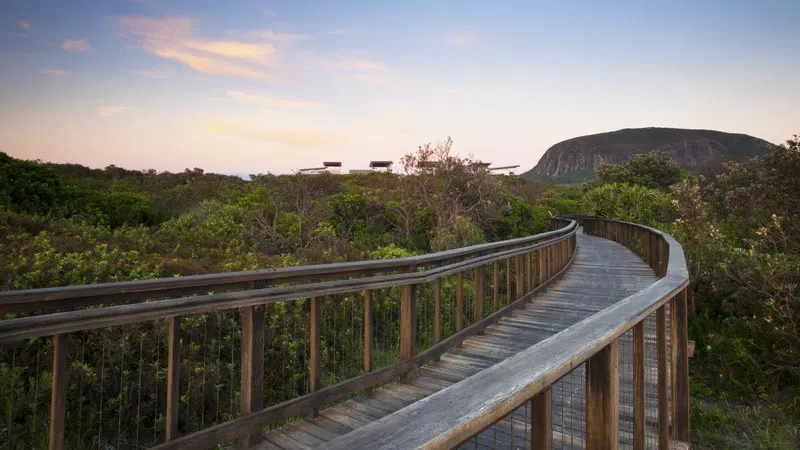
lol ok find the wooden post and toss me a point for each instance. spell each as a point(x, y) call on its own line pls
point(368, 331)
point(252, 359)
point(408, 321)
point(252, 364)
point(437, 310)
point(459, 301)
point(602, 399)
point(58, 396)
point(315, 350)
point(680, 397)
point(495, 287)
point(508, 281)
point(542, 420)
point(477, 287)
point(663, 380)
point(638, 387)
point(173, 371)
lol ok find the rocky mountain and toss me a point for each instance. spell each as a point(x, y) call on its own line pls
point(576, 159)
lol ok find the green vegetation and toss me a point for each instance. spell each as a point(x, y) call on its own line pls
point(67, 224)
point(739, 225)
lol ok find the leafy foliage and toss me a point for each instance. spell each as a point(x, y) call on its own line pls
point(651, 170)
point(739, 226)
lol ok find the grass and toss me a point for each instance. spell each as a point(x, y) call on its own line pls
point(724, 425)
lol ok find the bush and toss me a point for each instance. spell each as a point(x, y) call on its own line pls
point(462, 232)
point(630, 203)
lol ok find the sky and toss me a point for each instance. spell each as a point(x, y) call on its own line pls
point(257, 86)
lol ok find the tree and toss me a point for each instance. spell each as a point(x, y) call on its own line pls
point(452, 186)
point(654, 170)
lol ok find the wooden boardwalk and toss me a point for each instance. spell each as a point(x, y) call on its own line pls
point(602, 273)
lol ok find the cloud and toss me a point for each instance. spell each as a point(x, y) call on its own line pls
point(355, 65)
point(294, 139)
point(345, 31)
point(292, 104)
point(108, 111)
point(351, 61)
point(52, 72)
point(281, 38)
point(153, 73)
point(24, 24)
point(173, 39)
point(462, 38)
point(75, 45)
point(373, 79)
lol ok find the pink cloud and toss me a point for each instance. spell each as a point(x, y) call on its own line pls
point(173, 38)
point(75, 45)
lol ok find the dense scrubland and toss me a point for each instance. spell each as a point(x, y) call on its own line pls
point(68, 224)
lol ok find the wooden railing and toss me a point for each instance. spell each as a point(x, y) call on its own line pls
point(451, 416)
point(62, 320)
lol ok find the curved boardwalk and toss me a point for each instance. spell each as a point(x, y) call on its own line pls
point(602, 273)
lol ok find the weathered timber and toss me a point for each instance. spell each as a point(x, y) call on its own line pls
point(105, 293)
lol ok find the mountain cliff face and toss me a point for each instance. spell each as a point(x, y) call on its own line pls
point(578, 158)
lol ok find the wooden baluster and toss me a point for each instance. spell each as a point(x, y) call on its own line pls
point(673, 364)
point(680, 397)
point(542, 266)
point(315, 351)
point(437, 310)
point(555, 258)
point(459, 301)
point(508, 281)
point(408, 321)
point(602, 399)
point(663, 380)
point(519, 278)
point(542, 420)
point(478, 289)
point(58, 396)
point(495, 287)
point(368, 331)
point(173, 371)
point(529, 263)
point(638, 387)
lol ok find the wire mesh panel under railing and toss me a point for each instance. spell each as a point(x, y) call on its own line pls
point(617, 378)
point(517, 429)
point(248, 350)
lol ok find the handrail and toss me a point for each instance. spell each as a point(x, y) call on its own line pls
point(24, 300)
point(555, 250)
point(12, 330)
point(297, 406)
point(453, 415)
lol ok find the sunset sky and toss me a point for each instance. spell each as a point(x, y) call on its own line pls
point(252, 86)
